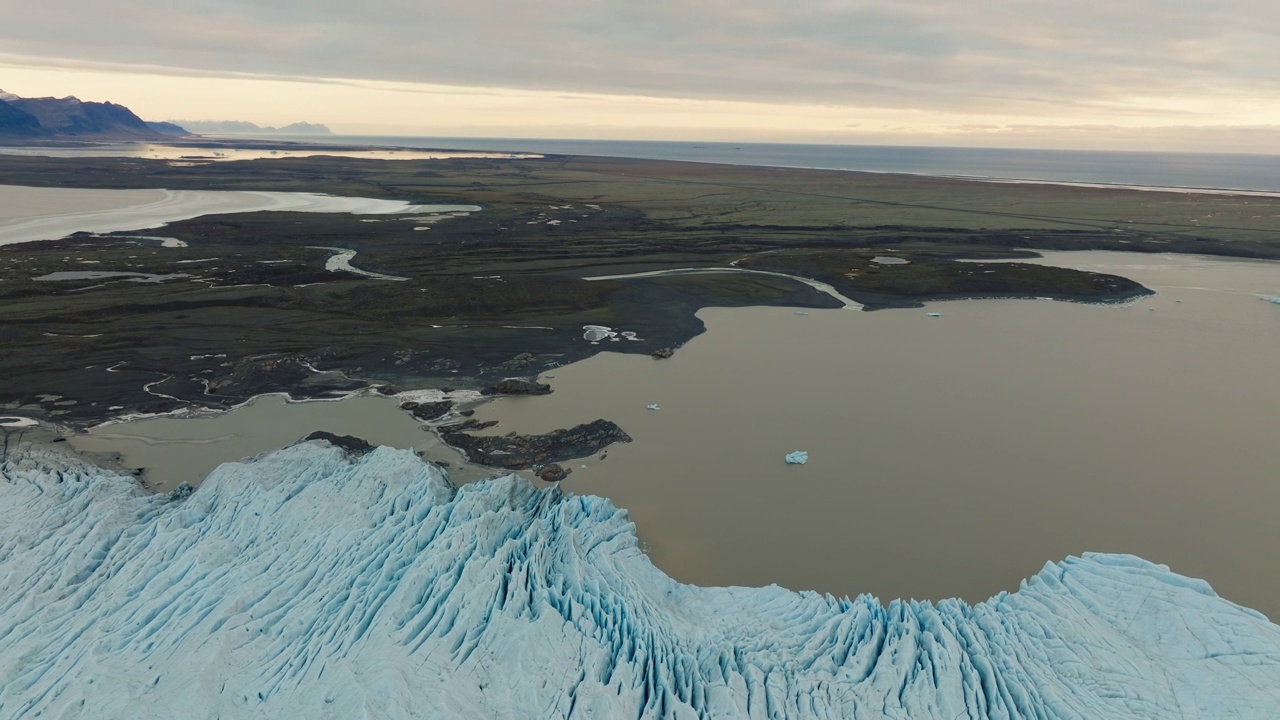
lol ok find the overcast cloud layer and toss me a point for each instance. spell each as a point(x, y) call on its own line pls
point(989, 56)
point(1175, 74)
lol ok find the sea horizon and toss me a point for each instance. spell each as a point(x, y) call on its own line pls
point(1133, 169)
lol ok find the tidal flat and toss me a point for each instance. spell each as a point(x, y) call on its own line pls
point(263, 313)
point(30, 214)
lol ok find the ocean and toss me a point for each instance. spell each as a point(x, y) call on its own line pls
point(1227, 171)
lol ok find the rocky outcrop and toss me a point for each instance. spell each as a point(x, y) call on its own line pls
point(523, 360)
point(352, 445)
point(554, 473)
point(512, 386)
point(426, 412)
point(662, 353)
point(252, 376)
point(467, 425)
point(518, 452)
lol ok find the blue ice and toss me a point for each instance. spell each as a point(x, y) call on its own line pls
point(306, 583)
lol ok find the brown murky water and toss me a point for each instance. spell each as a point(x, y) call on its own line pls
point(952, 455)
point(949, 456)
point(177, 450)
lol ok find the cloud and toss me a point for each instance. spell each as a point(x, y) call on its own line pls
point(1026, 57)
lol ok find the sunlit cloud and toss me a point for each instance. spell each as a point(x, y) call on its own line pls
point(837, 70)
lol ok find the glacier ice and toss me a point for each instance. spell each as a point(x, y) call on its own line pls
point(799, 457)
point(306, 583)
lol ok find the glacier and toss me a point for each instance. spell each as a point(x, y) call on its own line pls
point(309, 583)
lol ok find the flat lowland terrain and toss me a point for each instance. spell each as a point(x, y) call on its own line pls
point(501, 292)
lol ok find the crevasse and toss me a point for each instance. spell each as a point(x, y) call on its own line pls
point(309, 584)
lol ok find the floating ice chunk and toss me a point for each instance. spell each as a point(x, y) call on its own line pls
point(935, 314)
point(1275, 299)
point(16, 422)
point(799, 457)
point(801, 312)
point(652, 406)
point(596, 333)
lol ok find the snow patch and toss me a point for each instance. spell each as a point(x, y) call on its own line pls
point(430, 396)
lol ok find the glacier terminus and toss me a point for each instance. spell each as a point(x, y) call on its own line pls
point(310, 583)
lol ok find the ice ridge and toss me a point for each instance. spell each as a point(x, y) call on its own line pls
point(306, 583)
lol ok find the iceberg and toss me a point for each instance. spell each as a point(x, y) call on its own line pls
point(596, 333)
point(310, 583)
point(799, 457)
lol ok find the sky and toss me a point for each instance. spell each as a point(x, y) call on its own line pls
point(1126, 74)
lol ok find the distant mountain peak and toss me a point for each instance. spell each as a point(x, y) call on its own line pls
point(48, 117)
point(241, 127)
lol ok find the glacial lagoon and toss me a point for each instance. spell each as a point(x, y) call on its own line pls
point(173, 450)
point(34, 213)
point(949, 455)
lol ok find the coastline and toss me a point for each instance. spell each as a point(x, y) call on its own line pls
point(644, 492)
point(376, 143)
point(494, 261)
point(726, 153)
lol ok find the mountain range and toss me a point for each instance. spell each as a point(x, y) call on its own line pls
point(240, 127)
point(70, 117)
